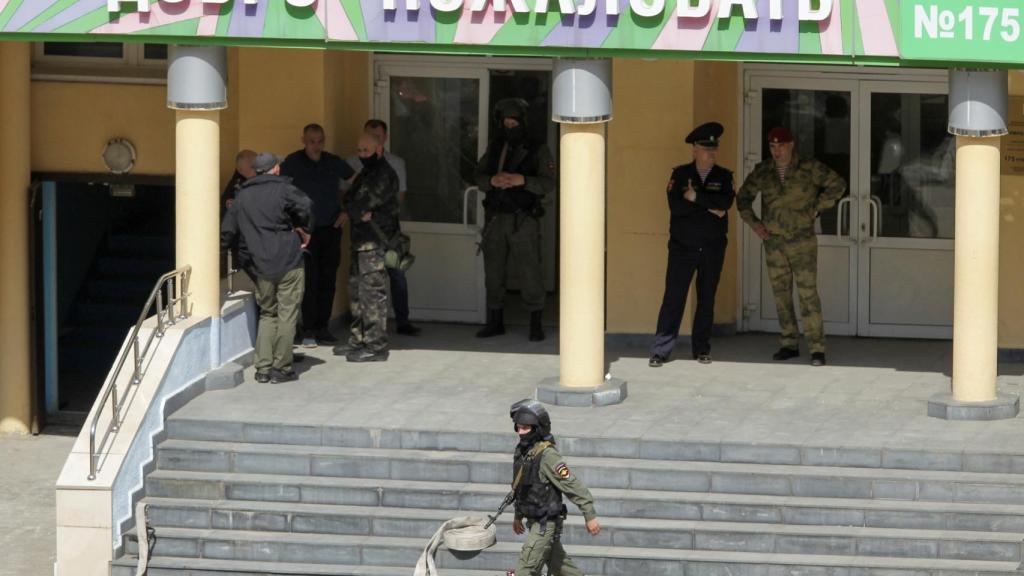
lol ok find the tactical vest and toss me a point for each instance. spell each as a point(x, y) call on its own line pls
point(521, 159)
point(536, 498)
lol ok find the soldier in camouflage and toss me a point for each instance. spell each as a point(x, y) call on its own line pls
point(372, 207)
point(515, 174)
point(793, 191)
point(540, 478)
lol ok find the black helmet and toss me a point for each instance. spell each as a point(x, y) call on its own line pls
point(510, 108)
point(529, 412)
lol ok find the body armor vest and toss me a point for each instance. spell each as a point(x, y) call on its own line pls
point(536, 498)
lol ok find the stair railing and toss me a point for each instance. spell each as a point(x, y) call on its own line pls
point(170, 298)
point(231, 270)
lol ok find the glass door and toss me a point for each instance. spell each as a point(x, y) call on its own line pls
point(818, 112)
point(906, 244)
point(437, 120)
point(439, 116)
point(885, 252)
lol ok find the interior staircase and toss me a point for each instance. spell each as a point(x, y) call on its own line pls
point(234, 498)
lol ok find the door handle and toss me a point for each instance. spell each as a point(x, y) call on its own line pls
point(465, 204)
point(844, 203)
point(876, 215)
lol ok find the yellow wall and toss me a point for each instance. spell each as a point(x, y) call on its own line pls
point(654, 111)
point(273, 93)
point(72, 121)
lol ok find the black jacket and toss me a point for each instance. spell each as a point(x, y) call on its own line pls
point(263, 219)
point(691, 224)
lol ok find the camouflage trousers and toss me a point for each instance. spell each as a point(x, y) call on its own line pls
point(540, 549)
point(789, 260)
point(511, 247)
point(368, 299)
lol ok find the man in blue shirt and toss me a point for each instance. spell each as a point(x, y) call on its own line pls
point(319, 174)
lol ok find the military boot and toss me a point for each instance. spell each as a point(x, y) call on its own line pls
point(536, 330)
point(495, 324)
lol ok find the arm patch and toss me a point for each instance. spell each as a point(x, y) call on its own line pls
point(563, 471)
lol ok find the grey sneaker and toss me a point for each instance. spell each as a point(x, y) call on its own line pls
point(309, 342)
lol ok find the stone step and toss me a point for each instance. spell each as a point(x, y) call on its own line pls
point(610, 560)
point(673, 475)
point(610, 502)
point(655, 449)
point(171, 566)
point(635, 532)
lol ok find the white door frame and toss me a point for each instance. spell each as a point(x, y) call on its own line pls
point(752, 267)
point(873, 243)
point(861, 83)
point(462, 233)
point(383, 66)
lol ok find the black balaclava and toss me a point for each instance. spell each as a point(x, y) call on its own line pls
point(526, 441)
point(515, 136)
point(370, 161)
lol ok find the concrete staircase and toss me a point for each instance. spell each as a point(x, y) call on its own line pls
point(234, 498)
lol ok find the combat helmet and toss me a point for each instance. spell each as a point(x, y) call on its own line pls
point(510, 108)
point(529, 412)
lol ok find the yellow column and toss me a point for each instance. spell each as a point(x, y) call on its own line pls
point(581, 262)
point(197, 213)
point(976, 276)
point(15, 174)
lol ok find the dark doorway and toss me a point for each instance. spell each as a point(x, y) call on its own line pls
point(109, 246)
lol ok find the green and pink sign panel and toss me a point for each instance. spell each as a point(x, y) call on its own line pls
point(869, 30)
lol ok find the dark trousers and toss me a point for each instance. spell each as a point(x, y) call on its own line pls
point(706, 262)
point(399, 296)
point(323, 256)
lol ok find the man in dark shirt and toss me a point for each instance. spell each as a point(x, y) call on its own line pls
point(272, 217)
point(319, 174)
point(699, 196)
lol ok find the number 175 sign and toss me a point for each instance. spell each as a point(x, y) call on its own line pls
point(962, 30)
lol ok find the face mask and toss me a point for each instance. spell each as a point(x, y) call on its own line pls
point(369, 161)
point(515, 135)
point(530, 438)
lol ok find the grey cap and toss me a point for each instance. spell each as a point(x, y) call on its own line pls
point(265, 162)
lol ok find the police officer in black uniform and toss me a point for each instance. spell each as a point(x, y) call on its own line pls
point(699, 196)
point(540, 478)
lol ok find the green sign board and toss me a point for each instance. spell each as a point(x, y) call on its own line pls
point(962, 30)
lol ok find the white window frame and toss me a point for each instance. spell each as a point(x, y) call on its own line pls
point(132, 68)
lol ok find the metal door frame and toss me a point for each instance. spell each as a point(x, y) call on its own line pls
point(869, 241)
point(862, 83)
point(754, 83)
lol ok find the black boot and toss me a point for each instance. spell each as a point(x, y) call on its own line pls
point(495, 324)
point(536, 330)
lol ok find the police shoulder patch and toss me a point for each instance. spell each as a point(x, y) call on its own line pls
point(562, 470)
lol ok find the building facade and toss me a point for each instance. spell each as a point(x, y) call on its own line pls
point(863, 84)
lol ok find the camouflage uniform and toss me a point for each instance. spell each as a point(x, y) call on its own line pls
point(374, 190)
point(540, 549)
point(788, 211)
point(511, 242)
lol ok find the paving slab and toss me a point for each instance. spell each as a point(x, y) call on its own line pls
point(872, 395)
point(29, 466)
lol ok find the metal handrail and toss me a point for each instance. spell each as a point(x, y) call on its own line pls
point(231, 270)
point(176, 286)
